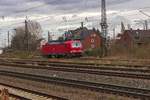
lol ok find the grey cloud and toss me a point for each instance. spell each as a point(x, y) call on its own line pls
point(15, 6)
point(11, 2)
point(115, 2)
point(19, 7)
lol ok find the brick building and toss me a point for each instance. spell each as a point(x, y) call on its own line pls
point(91, 39)
point(131, 38)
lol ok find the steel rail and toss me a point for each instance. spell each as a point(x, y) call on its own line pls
point(86, 66)
point(111, 59)
point(96, 64)
point(77, 65)
point(98, 87)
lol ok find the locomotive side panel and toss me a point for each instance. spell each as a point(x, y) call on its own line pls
point(67, 48)
point(54, 49)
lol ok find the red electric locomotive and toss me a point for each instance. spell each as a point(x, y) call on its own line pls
point(67, 48)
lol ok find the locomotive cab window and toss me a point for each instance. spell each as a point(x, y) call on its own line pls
point(76, 44)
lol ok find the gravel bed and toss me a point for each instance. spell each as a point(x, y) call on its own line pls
point(67, 92)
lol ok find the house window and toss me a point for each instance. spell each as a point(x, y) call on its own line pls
point(93, 35)
point(137, 35)
point(92, 40)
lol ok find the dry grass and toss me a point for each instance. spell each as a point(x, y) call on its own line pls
point(135, 52)
point(21, 54)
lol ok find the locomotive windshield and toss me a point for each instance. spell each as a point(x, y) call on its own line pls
point(76, 44)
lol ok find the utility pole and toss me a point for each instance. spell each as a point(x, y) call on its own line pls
point(27, 35)
point(49, 36)
point(82, 25)
point(129, 26)
point(146, 25)
point(8, 37)
point(114, 33)
point(122, 27)
point(104, 27)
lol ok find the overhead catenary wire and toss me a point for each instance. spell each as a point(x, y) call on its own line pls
point(144, 13)
point(46, 4)
point(28, 9)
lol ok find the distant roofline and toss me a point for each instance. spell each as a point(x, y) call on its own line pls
point(137, 30)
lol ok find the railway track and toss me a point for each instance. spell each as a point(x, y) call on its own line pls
point(117, 72)
point(111, 59)
point(87, 66)
point(80, 63)
point(25, 94)
point(77, 65)
point(98, 87)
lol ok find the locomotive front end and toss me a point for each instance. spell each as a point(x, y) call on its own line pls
point(76, 48)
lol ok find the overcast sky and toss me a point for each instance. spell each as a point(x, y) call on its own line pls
point(60, 15)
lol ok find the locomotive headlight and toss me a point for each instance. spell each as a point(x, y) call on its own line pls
point(72, 51)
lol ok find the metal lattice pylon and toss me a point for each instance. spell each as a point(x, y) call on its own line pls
point(104, 28)
point(104, 25)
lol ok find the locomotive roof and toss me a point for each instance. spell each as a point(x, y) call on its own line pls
point(56, 41)
point(59, 41)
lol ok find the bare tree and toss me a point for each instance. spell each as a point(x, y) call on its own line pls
point(33, 36)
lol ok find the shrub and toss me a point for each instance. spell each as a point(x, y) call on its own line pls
point(94, 52)
point(139, 52)
point(22, 54)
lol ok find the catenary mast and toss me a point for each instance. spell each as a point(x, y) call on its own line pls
point(104, 27)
